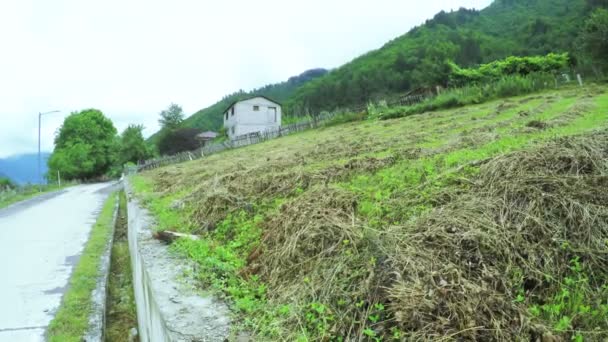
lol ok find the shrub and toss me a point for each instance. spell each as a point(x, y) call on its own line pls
point(180, 140)
point(474, 94)
point(510, 66)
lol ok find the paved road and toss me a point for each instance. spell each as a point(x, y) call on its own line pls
point(40, 241)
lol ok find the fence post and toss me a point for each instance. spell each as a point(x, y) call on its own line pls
point(580, 79)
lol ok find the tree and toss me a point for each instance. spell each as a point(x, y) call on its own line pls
point(592, 4)
point(594, 37)
point(133, 146)
point(85, 147)
point(6, 183)
point(180, 140)
point(172, 117)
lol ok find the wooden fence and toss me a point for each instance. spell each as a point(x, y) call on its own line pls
point(240, 141)
point(258, 137)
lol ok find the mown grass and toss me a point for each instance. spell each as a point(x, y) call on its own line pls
point(309, 236)
point(72, 319)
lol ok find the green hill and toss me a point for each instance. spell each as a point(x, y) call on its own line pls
point(210, 118)
point(418, 58)
point(467, 37)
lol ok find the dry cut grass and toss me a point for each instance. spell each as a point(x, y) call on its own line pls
point(482, 223)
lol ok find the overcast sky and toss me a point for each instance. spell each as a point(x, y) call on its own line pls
point(132, 58)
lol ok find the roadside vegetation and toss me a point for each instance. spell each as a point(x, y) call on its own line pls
point(478, 223)
point(11, 194)
point(72, 319)
point(121, 315)
point(88, 148)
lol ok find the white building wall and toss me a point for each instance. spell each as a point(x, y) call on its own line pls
point(247, 120)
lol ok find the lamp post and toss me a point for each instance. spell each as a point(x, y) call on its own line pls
point(39, 153)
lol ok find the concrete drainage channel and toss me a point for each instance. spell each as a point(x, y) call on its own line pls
point(121, 315)
point(169, 308)
point(143, 293)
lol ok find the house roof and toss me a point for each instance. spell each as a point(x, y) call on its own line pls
point(207, 135)
point(249, 98)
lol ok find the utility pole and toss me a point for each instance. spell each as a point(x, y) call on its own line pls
point(39, 152)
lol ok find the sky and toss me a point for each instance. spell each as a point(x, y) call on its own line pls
point(133, 58)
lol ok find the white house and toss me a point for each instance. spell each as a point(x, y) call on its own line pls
point(255, 114)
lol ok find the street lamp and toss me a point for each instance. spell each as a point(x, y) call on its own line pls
point(39, 153)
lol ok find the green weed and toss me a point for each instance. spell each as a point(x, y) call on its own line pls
point(72, 318)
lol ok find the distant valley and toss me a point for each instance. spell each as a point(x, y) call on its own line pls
point(23, 168)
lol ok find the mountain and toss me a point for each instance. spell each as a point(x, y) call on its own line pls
point(23, 168)
point(210, 118)
point(467, 37)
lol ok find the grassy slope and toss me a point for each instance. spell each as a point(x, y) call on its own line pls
point(72, 318)
point(312, 235)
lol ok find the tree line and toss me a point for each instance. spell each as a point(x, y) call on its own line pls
point(88, 146)
point(424, 57)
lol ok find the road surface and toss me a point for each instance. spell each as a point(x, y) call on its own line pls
point(40, 242)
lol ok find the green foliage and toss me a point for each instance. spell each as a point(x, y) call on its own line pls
point(522, 66)
point(179, 140)
point(6, 184)
point(171, 118)
point(133, 147)
point(576, 303)
point(419, 58)
point(594, 37)
point(86, 146)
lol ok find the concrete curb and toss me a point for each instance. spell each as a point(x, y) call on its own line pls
point(169, 308)
point(97, 319)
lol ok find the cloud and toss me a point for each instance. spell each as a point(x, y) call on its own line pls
point(132, 58)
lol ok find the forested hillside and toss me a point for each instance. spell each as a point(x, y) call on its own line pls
point(466, 37)
point(210, 118)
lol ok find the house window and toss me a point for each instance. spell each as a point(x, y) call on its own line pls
point(256, 108)
point(226, 115)
point(232, 129)
point(232, 109)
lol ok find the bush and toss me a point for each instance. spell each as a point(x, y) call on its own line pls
point(180, 140)
point(510, 66)
point(6, 183)
point(474, 94)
